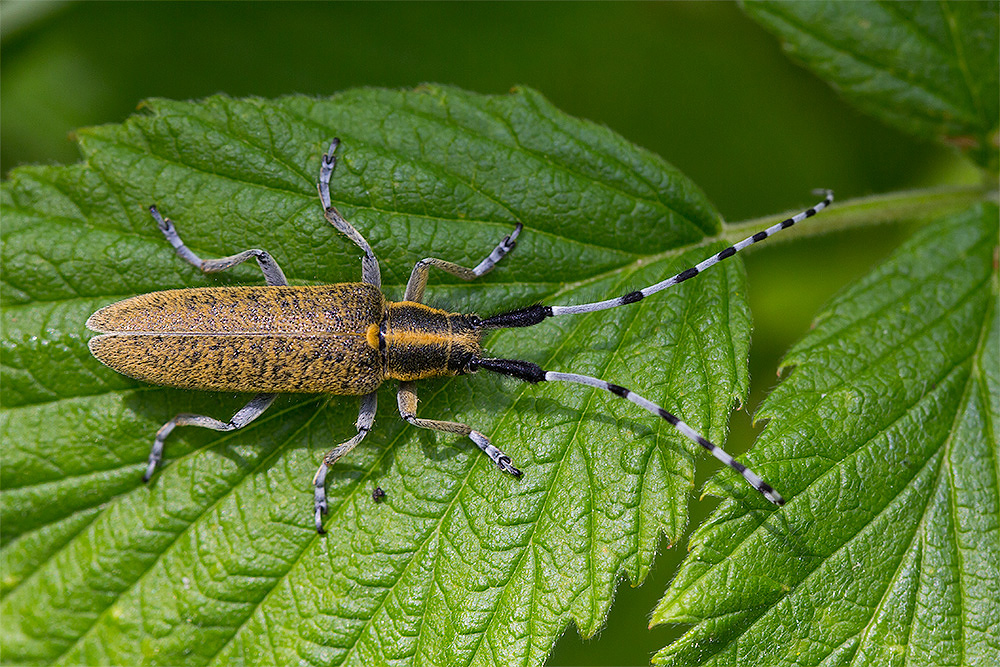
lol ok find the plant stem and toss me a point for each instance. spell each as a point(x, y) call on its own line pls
point(866, 211)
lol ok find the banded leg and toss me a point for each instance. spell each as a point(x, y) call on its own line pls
point(532, 315)
point(273, 274)
point(366, 417)
point(407, 399)
point(257, 405)
point(418, 277)
point(369, 265)
point(529, 372)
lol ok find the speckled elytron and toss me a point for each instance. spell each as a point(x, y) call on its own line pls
point(344, 339)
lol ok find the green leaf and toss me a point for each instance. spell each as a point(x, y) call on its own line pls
point(931, 69)
point(216, 561)
point(885, 436)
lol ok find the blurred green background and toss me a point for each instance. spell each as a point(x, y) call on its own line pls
point(698, 83)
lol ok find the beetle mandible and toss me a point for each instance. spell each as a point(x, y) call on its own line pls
point(343, 339)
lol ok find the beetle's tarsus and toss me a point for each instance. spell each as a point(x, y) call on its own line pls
point(154, 461)
point(163, 223)
point(320, 506)
point(321, 509)
point(504, 463)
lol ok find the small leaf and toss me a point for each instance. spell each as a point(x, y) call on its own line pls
point(931, 69)
point(216, 561)
point(886, 437)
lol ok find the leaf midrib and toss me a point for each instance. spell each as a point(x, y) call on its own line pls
point(571, 438)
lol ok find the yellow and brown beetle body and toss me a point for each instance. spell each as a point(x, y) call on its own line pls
point(344, 339)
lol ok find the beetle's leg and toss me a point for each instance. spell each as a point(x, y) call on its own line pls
point(418, 278)
point(273, 274)
point(366, 417)
point(257, 405)
point(407, 399)
point(369, 265)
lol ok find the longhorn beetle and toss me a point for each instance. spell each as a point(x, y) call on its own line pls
point(343, 339)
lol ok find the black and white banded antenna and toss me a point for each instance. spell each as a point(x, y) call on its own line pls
point(530, 372)
point(531, 315)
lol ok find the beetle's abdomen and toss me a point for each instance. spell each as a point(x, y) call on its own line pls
point(251, 339)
